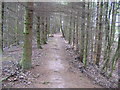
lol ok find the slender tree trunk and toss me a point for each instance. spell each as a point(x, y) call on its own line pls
point(96, 33)
point(74, 33)
point(43, 31)
point(61, 28)
point(82, 33)
point(46, 28)
point(27, 47)
point(116, 56)
point(99, 44)
point(16, 28)
point(107, 28)
point(77, 38)
point(110, 37)
point(38, 34)
point(0, 27)
point(66, 32)
point(17, 33)
point(87, 36)
point(2, 23)
point(92, 34)
point(70, 30)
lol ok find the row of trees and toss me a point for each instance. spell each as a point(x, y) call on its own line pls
point(20, 24)
point(93, 33)
point(89, 27)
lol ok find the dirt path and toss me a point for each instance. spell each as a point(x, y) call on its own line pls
point(55, 71)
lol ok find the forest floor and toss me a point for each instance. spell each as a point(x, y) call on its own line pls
point(52, 68)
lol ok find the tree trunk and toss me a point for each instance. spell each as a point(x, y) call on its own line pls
point(16, 27)
point(74, 33)
point(77, 39)
point(99, 43)
point(82, 33)
point(70, 30)
point(87, 36)
point(110, 37)
point(2, 23)
point(116, 56)
point(46, 28)
point(43, 31)
point(96, 33)
point(27, 47)
point(61, 28)
point(38, 33)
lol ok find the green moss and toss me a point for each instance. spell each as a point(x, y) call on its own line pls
point(25, 64)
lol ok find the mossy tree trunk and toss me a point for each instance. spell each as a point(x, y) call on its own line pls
point(82, 33)
point(38, 33)
point(0, 27)
point(66, 32)
point(99, 44)
point(110, 37)
point(87, 36)
point(17, 33)
point(77, 35)
point(92, 35)
point(1, 31)
point(70, 30)
point(26, 61)
point(43, 31)
point(46, 28)
point(61, 27)
point(107, 39)
point(74, 33)
point(16, 27)
point(107, 29)
point(116, 56)
point(96, 33)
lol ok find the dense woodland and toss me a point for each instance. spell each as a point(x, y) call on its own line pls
point(91, 28)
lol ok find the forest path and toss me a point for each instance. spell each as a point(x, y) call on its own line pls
point(56, 71)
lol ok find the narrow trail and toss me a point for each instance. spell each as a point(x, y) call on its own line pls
point(55, 69)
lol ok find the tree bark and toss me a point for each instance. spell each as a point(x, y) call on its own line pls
point(99, 43)
point(70, 29)
point(74, 30)
point(82, 33)
point(2, 23)
point(87, 37)
point(38, 33)
point(96, 33)
point(116, 56)
point(27, 47)
point(61, 28)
